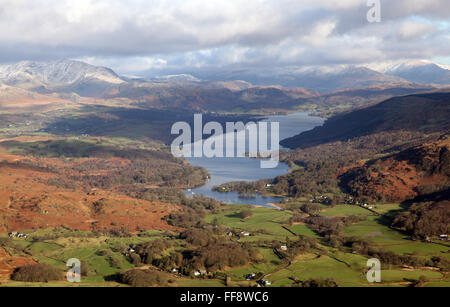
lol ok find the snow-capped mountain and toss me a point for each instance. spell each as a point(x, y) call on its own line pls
point(178, 78)
point(59, 76)
point(340, 77)
point(44, 83)
point(323, 79)
point(420, 71)
point(67, 77)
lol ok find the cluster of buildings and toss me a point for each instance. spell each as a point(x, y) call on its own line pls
point(368, 207)
point(239, 235)
point(261, 283)
point(264, 283)
point(321, 200)
point(17, 235)
point(350, 200)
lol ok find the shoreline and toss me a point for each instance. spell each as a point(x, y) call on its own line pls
point(237, 170)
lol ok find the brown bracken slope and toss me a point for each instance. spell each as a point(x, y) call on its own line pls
point(420, 170)
point(8, 264)
point(28, 202)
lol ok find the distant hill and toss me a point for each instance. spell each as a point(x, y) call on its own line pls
point(420, 112)
point(241, 96)
point(14, 98)
point(335, 102)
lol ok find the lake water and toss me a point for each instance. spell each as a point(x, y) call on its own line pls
point(225, 170)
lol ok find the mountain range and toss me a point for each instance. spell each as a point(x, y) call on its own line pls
point(228, 91)
point(322, 79)
point(335, 77)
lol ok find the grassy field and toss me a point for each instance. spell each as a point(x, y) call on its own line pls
point(319, 267)
point(386, 208)
point(265, 223)
point(303, 230)
point(375, 231)
point(345, 210)
point(418, 248)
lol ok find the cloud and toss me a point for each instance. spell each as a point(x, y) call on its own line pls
point(415, 29)
point(139, 35)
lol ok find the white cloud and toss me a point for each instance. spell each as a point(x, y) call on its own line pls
point(320, 34)
point(133, 34)
point(415, 29)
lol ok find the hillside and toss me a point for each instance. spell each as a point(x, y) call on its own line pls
point(419, 171)
point(88, 185)
point(421, 112)
point(14, 98)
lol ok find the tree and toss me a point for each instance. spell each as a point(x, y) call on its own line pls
point(135, 259)
point(37, 273)
point(143, 278)
point(276, 244)
point(84, 269)
point(245, 214)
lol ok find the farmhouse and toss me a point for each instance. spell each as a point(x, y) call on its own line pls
point(250, 276)
point(200, 273)
point(130, 250)
point(264, 283)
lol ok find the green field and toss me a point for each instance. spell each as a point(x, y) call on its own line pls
point(386, 208)
point(319, 267)
point(303, 230)
point(375, 231)
point(265, 223)
point(345, 210)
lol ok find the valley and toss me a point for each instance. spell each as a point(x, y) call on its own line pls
point(86, 172)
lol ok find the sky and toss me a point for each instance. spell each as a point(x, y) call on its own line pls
point(155, 36)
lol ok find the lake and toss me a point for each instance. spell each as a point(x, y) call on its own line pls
point(225, 170)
